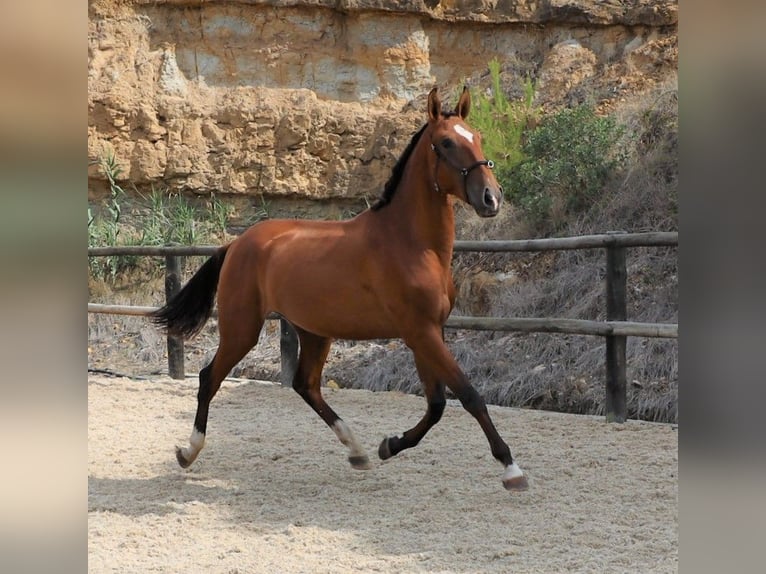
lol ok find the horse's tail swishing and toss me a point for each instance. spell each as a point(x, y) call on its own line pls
point(189, 309)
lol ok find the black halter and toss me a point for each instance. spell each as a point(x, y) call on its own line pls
point(464, 171)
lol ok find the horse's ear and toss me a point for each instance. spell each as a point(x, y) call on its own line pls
point(434, 105)
point(464, 103)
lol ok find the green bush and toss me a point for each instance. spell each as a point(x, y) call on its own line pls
point(569, 158)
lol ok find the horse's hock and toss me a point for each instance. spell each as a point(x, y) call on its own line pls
point(295, 97)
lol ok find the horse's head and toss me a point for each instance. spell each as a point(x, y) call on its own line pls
point(459, 165)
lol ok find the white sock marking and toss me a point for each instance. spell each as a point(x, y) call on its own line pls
point(345, 436)
point(197, 440)
point(464, 132)
point(512, 471)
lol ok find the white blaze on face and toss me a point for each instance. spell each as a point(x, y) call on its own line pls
point(464, 132)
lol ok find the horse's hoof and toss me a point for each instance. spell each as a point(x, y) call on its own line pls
point(181, 458)
point(516, 484)
point(360, 462)
point(383, 451)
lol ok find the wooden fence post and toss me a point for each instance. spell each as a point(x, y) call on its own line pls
point(175, 344)
point(288, 347)
point(616, 310)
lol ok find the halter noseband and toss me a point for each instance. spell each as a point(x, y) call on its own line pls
point(464, 171)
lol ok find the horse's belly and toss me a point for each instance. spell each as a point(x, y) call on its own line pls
point(331, 299)
point(341, 314)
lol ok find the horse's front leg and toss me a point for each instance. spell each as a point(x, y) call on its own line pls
point(435, 361)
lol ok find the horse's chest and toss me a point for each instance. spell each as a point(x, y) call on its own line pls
point(431, 291)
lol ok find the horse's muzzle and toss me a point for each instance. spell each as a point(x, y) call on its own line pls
point(486, 201)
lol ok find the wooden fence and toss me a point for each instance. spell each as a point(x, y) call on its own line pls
point(616, 329)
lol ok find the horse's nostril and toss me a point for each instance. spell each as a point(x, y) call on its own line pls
point(489, 199)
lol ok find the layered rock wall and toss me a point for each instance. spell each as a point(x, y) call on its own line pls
point(310, 97)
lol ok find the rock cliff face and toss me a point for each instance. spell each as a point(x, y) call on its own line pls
point(310, 97)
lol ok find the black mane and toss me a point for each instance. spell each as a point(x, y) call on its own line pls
point(396, 173)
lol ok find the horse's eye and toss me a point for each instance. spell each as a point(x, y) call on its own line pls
point(447, 143)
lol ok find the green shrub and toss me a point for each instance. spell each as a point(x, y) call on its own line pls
point(106, 230)
point(568, 160)
point(503, 122)
point(162, 218)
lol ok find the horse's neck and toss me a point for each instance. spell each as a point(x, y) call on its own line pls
point(423, 216)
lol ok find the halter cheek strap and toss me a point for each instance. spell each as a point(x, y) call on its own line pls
point(464, 171)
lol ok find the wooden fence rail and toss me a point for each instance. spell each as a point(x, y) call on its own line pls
point(615, 329)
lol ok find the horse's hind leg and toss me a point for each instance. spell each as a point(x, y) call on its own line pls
point(238, 336)
point(306, 383)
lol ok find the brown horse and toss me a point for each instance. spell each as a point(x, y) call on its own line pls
point(383, 274)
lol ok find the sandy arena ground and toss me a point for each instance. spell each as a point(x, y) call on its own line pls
point(272, 491)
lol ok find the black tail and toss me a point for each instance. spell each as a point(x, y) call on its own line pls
point(189, 309)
